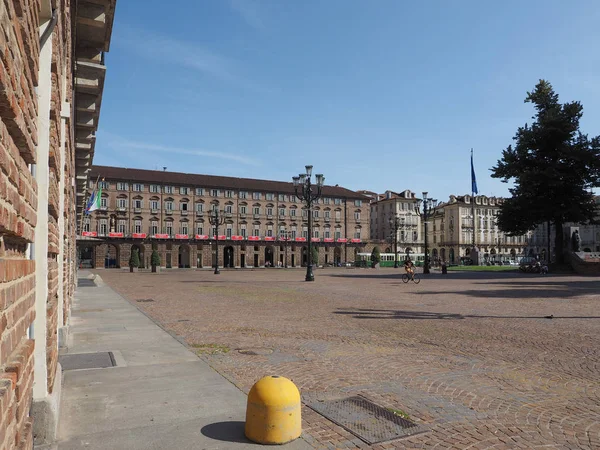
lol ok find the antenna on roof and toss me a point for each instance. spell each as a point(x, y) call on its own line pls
point(164, 168)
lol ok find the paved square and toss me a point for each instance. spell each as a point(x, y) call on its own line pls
point(490, 360)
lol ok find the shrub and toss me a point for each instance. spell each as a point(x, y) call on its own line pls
point(155, 259)
point(134, 259)
point(375, 256)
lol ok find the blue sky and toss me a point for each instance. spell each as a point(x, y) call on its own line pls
point(375, 94)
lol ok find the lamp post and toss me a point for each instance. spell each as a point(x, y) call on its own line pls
point(395, 223)
point(216, 219)
point(308, 193)
point(283, 235)
point(428, 204)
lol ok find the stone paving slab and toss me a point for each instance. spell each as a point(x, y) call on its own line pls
point(159, 396)
point(492, 360)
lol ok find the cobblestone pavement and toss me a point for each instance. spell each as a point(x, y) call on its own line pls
point(493, 360)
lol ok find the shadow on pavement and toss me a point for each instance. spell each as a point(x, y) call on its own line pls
point(433, 276)
point(232, 431)
point(361, 313)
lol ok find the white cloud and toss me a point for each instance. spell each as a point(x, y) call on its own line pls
point(163, 49)
point(143, 147)
point(193, 56)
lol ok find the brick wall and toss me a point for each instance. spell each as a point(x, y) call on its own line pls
point(19, 70)
point(19, 21)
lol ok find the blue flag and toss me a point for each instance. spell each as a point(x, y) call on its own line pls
point(473, 178)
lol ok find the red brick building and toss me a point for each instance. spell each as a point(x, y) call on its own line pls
point(51, 80)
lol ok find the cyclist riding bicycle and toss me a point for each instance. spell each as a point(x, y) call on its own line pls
point(409, 267)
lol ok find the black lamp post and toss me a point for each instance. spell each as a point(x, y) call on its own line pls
point(283, 235)
point(216, 219)
point(395, 223)
point(428, 204)
point(307, 193)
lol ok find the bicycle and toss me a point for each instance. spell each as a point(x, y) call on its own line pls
point(415, 278)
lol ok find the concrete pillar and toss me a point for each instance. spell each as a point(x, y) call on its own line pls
point(45, 406)
point(42, 175)
point(65, 113)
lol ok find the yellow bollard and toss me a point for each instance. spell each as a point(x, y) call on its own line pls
point(273, 411)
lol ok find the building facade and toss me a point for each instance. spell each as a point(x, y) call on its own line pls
point(385, 208)
point(452, 232)
point(264, 224)
point(51, 73)
point(543, 237)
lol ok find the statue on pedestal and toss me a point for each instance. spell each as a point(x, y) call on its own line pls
point(112, 224)
point(576, 241)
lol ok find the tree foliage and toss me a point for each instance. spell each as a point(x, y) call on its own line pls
point(134, 259)
point(155, 258)
point(375, 255)
point(315, 255)
point(553, 166)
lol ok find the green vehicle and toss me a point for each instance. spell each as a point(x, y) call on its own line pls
point(387, 259)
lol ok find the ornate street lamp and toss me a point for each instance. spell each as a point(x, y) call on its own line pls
point(428, 204)
point(283, 235)
point(216, 219)
point(307, 193)
point(395, 223)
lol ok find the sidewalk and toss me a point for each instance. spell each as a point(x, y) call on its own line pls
point(159, 395)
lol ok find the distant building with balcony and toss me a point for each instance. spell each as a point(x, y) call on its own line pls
point(264, 222)
point(384, 208)
point(452, 231)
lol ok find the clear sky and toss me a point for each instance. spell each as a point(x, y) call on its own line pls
point(375, 94)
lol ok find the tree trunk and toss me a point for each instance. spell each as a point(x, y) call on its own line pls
point(559, 243)
point(153, 269)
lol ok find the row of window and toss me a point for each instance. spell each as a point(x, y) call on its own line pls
point(170, 206)
point(227, 193)
point(184, 228)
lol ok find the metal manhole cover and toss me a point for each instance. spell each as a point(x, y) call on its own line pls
point(87, 361)
point(144, 300)
point(366, 420)
point(85, 282)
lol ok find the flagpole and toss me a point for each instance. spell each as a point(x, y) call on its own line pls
point(85, 200)
point(472, 201)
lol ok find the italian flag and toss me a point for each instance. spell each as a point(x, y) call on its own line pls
point(94, 202)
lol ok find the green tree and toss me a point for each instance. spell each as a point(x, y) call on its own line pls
point(154, 259)
point(134, 259)
point(315, 255)
point(553, 167)
point(375, 256)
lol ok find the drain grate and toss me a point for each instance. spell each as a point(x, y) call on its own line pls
point(144, 300)
point(366, 420)
point(87, 361)
point(85, 282)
